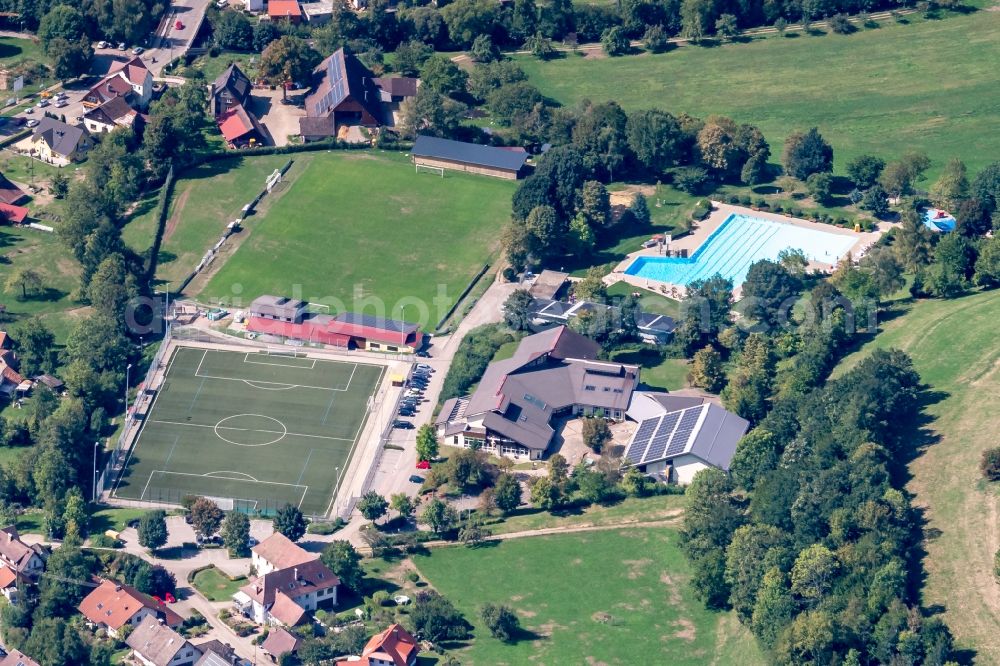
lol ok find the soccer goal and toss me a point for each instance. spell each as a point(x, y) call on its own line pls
point(429, 168)
point(290, 352)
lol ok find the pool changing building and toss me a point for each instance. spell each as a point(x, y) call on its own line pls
point(553, 373)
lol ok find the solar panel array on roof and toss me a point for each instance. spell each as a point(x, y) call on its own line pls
point(663, 436)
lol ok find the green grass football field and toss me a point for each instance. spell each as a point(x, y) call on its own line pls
point(262, 430)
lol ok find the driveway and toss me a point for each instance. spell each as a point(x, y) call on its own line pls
point(281, 120)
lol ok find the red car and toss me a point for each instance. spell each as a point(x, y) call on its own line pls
point(169, 598)
point(158, 600)
point(179, 25)
point(423, 464)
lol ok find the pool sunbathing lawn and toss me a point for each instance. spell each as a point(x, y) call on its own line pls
point(740, 241)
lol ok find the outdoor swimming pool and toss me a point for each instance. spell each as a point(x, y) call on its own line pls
point(736, 244)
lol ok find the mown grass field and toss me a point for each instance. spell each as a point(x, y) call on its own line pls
point(217, 586)
point(606, 597)
point(357, 227)
point(926, 86)
point(43, 253)
point(204, 201)
point(629, 510)
point(954, 348)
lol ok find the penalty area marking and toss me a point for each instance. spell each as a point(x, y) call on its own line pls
point(246, 359)
point(221, 472)
point(305, 488)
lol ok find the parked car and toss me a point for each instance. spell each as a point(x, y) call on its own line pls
point(424, 366)
point(179, 25)
point(32, 123)
point(251, 542)
point(138, 50)
point(409, 413)
point(414, 478)
point(122, 46)
point(423, 354)
point(169, 598)
point(42, 103)
point(423, 464)
point(60, 103)
point(102, 44)
point(402, 425)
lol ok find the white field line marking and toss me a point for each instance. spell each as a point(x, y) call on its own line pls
point(269, 432)
point(197, 370)
point(280, 387)
point(196, 394)
point(282, 365)
point(171, 454)
point(205, 476)
point(216, 475)
point(281, 384)
point(305, 466)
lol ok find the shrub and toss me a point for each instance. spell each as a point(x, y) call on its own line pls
point(509, 274)
point(413, 577)
point(840, 24)
point(104, 541)
point(733, 199)
point(325, 528)
point(989, 464)
point(691, 180)
point(745, 200)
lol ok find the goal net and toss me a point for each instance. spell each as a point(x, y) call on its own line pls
point(429, 169)
point(282, 351)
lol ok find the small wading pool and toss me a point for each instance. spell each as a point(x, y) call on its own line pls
point(739, 242)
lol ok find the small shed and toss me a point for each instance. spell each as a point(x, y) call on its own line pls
point(469, 157)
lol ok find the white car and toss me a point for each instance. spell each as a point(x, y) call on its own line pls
point(137, 50)
point(60, 103)
point(42, 103)
point(32, 123)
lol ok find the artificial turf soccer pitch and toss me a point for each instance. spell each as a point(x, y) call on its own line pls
point(261, 429)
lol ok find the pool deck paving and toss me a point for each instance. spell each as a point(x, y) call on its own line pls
point(701, 231)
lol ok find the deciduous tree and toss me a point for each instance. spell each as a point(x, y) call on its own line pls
point(290, 522)
point(236, 534)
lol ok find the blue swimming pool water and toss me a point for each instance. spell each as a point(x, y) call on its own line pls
point(736, 244)
point(938, 220)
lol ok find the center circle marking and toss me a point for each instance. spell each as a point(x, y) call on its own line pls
point(219, 426)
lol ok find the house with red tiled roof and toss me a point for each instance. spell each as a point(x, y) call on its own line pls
point(284, 10)
point(113, 605)
point(11, 381)
point(241, 129)
point(393, 647)
point(10, 193)
point(285, 596)
point(112, 114)
point(17, 658)
point(278, 552)
point(8, 584)
point(12, 214)
point(131, 80)
point(23, 559)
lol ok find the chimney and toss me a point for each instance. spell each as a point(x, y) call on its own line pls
point(118, 588)
point(295, 573)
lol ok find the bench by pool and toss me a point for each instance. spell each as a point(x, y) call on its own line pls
point(739, 242)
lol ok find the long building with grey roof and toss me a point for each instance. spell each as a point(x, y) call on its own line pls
point(551, 374)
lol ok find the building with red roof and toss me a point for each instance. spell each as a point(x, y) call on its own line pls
point(393, 647)
point(287, 10)
point(347, 329)
point(12, 214)
point(9, 192)
point(241, 128)
point(113, 605)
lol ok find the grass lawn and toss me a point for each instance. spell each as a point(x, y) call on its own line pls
point(362, 231)
point(629, 510)
point(43, 253)
point(506, 351)
point(953, 345)
point(649, 301)
point(658, 373)
point(205, 200)
point(213, 67)
point(9, 455)
point(13, 49)
point(600, 597)
point(113, 519)
point(926, 86)
point(32, 522)
point(217, 586)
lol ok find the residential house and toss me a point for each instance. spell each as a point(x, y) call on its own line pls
point(468, 157)
point(551, 374)
point(8, 584)
point(345, 91)
point(24, 560)
point(230, 100)
point(255, 6)
point(680, 441)
point(10, 193)
point(284, 10)
point(318, 13)
point(130, 80)
point(547, 284)
point(230, 89)
point(285, 596)
point(113, 605)
point(278, 552)
point(280, 642)
point(156, 644)
point(17, 658)
point(217, 653)
point(393, 91)
point(11, 381)
point(55, 142)
point(288, 318)
point(393, 647)
point(111, 115)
